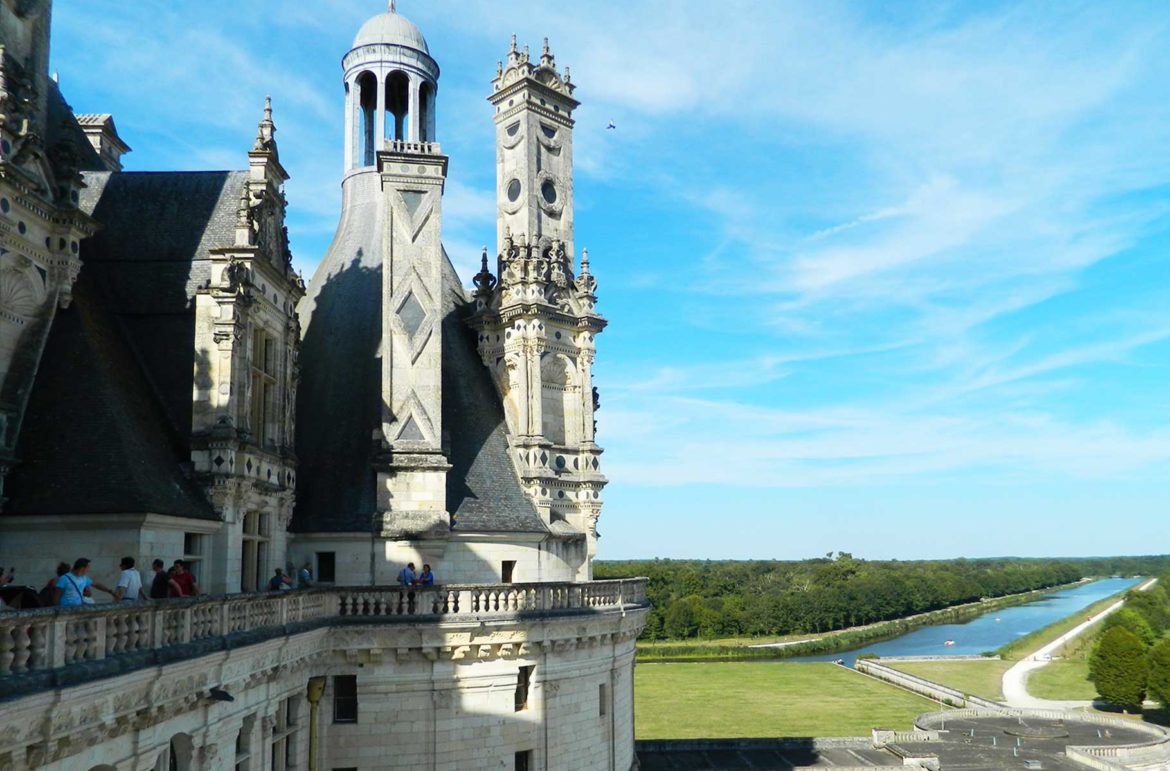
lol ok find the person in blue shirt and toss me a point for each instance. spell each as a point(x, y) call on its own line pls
point(406, 576)
point(426, 577)
point(73, 588)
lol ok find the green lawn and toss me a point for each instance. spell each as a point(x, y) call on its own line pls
point(726, 700)
point(1063, 679)
point(979, 678)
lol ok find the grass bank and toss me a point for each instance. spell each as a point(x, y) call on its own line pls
point(725, 700)
point(974, 677)
point(737, 649)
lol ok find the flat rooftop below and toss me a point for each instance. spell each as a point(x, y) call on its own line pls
point(969, 743)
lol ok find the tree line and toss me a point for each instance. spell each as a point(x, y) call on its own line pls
point(713, 599)
point(1131, 659)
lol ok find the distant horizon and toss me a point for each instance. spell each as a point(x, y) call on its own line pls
point(881, 559)
point(884, 278)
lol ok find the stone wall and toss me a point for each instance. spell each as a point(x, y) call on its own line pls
point(471, 558)
point(34, 545)
point(923, 687)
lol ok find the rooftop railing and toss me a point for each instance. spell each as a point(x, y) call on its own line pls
point(412, 148)
point(48, 639)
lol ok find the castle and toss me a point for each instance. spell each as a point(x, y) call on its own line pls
point(170, 388)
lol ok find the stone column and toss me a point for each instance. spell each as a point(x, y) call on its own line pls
point(380, 115)
point(585, 364)
point(413, 118)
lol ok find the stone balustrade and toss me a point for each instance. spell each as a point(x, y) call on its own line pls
point(412, 148)
point(47, 639)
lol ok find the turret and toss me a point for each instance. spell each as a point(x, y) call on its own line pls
point(373, 317)
point(390, 86)
point(536, 316)
point(534, 148)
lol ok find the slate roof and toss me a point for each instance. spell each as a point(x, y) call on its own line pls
point(483, 489)
point(94, 441)
point(151, 256)
point(339, 399)
point(62, 126)
point(108, 423)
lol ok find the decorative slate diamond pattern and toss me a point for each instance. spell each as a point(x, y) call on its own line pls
point(412, 314)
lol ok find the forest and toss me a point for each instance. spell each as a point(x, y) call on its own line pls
point(765, 598)
point(1130, 661)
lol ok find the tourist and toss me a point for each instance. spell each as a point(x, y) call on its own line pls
point(161, 584)
point(406, 576)
point(184, 580)
point(279, 581)
point(73, 588)
point(48, 592)
point(129, 586)
point(305, 577)
point(426, 577)
point(6, 578)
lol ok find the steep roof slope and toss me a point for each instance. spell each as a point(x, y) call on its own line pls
point(109, 419)
point(339, 399)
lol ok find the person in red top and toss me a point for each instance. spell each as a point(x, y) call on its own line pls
point(184, 579)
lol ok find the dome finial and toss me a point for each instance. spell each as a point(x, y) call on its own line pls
point(393, 7)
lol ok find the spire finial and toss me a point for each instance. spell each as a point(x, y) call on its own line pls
point(585, 262)
point(393, 7)
point(484, 280)
point(546, 47)
point(266, 129)
point(513, 48)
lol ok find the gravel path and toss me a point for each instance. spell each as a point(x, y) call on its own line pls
point(1015, 680)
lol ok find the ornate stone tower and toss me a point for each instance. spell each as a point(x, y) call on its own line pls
point(374, 318)
point(534, 148)
point(391, 69)
point(42, 151)
point(537, 322)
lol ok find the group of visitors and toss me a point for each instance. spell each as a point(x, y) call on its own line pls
point(407, 576)
point(73, 587)
point(281, 581)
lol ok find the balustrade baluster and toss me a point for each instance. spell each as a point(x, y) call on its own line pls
point(39, 632)
point(116, 634)
point(7, 649)
point(20, 648)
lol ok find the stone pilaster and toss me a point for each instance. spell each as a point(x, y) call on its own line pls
point(412, 469)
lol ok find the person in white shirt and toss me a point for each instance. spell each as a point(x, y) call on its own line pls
point(129, 587)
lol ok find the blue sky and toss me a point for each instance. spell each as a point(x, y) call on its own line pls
point(892, 279)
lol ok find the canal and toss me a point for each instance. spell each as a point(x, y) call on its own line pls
point(991, 630)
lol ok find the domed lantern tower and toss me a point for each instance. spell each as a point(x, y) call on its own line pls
point(371, 410)
point(390, 87)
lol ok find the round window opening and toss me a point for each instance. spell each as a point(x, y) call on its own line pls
point(549, 191)
point(513, 190)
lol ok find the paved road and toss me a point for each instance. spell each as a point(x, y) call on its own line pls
point(1015, 680)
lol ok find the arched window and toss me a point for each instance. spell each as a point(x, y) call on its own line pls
point(178, 755)
point(560, 400)
point(367, 85)
point(397, 105)
point(426, 112)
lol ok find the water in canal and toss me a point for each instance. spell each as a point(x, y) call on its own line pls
point(989, 631)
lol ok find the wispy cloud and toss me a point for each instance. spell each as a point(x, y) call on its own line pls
point(841, 245)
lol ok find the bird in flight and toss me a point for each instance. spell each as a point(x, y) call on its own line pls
point(611, 125)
